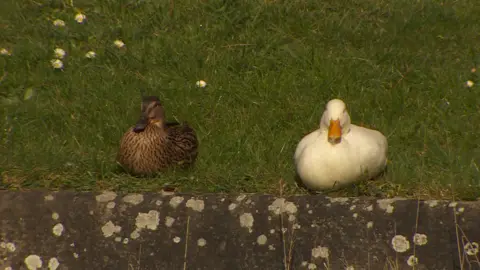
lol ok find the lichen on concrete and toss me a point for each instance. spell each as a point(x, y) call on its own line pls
point(110, 231)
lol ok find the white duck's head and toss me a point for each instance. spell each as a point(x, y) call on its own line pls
point(336, 120)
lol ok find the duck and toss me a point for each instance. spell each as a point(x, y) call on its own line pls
point(339, 153)
point(153, 145)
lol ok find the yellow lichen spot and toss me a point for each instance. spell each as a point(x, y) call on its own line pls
point(321, 252)
point(471, 248)
point(400, 243)
point(412, 261)
point(420, 239)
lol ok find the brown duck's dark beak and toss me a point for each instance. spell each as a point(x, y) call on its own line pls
point(141, 124)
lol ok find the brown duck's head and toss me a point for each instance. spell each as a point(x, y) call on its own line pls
point(152, 113)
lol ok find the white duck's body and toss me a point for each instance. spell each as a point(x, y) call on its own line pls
point(339, 153)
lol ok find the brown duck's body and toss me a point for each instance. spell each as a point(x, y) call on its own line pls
point(157, 148)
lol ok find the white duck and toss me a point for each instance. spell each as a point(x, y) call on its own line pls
point(339, 153)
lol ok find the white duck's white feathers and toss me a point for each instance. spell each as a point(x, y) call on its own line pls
point(361, 153)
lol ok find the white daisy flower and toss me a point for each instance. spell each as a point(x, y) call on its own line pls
point(59, 23)
point(80, 18)
point(119, 44)
point(90, 54)
point(56, 63)
point(469, 83)
point(4, 51)
point(201, 84)
point(59, 53)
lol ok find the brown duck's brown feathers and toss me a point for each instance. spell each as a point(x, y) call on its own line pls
point(157, 148)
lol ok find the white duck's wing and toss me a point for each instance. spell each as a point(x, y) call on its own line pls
point(372, 147)
point(305, 142)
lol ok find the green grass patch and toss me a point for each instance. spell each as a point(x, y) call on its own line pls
point(271, 66)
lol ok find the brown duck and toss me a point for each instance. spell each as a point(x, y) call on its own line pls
point(153, 145)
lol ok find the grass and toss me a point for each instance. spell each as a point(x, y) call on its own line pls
point(271, 66)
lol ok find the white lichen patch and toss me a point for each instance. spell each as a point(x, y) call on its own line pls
point(291, 218)
point(53, 264)
point(262, 240)
point(350, 267)
point(133, 199)
point(195, 205)
point(148, 220)
point(471, 248)
point(420, 239)
point(176, 201)
point(400, 243)
point(307, 205)
point(272, 231)
point(280, 205)
point(135, 234)
point(241, 197)
point(110, 229)
point(452, 204)
point(201, 242)
point(246, 221)
point(118, 239)
point(55, 216)
point(296, 226)
point(369, 208)
point(158, 202)
point(311, 266)
point(106, 196)
point(111, 205)
point(341, 200)
point(8, 268)
point(460, 210)
point(353, 207)
point(321, 252)
point(412, 261)
point(310, 211)
point(271, 247)
point(355, 215)
point(75, 255)
point(232, 206)
point(386, 204)
point(169, 221)
point(176, 239)
point(165, 193)
point(33, 262)
point(10, 247)
point(125, 241)
point(370, 224)
point(57, 230)
point(432, 203)
point(49, 197)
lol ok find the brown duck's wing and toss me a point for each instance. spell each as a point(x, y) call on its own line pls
point(182, 143)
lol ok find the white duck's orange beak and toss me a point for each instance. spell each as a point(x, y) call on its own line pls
point(334, 132)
